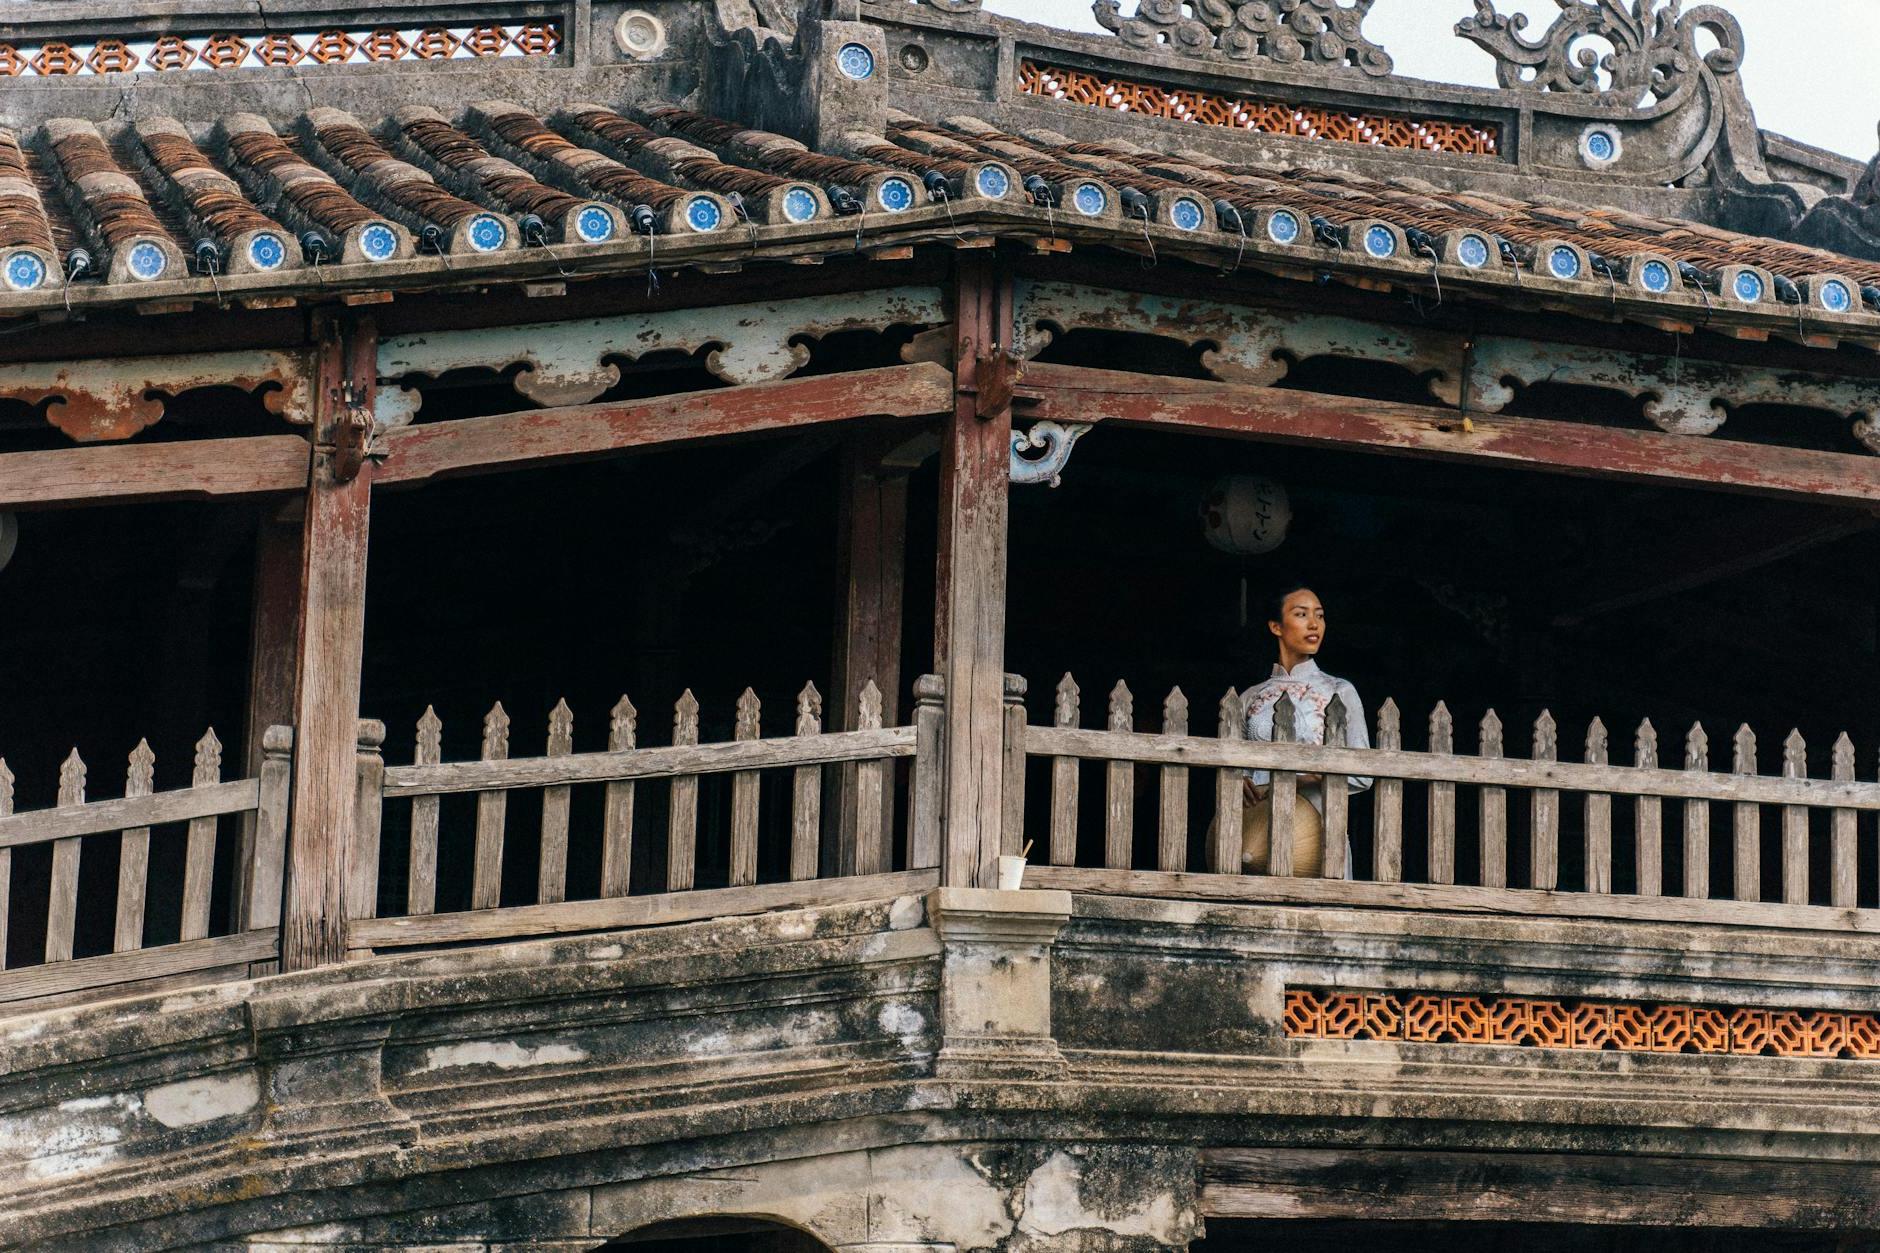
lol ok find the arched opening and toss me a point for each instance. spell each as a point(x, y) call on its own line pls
point(718, 1235)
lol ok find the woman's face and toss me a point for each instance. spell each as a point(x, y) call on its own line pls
point(1301, 625)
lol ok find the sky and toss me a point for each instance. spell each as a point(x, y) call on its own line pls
point(1810, 78)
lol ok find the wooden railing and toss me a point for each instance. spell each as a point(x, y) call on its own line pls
point(251, 942)
point(1524, 801)
point(845, 850)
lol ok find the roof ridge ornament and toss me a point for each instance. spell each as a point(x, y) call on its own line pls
point(1654, 49)
point(1327, 34)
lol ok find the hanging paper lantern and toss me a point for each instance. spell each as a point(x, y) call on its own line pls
point(1246, 515)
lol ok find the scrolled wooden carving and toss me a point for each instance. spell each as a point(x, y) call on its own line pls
point(1326, 33)
point(1654, 49)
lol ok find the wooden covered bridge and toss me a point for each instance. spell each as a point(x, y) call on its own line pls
point(550, 547)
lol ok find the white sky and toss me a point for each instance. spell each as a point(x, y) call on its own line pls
point(1810, 77)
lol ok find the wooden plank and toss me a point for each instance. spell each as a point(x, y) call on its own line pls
point(1283, 793)
point(1230, 794)
point(969, 610)
point(267, 874)
point(62, 902)
point(1492, 804)
point(874, 852)
point(362, 849)
point(549, 436)
point(197, 469)
point(1065, 779)
point(744, 797)
point(623, 728)
point(97, 817)
point(1172, 818)
point(1544, 805)
point(421, 879)
point(1337, 788)
point(1598, 816)
point(1794, 825)
point(273, 662)
point(1620, 1190)
point(682, 808)
point(1746, 823)
point(1012, 826)
point(637, 911)
point(1077, 394)
point(1442, 898)
point(806, 793)
point(112, 969)
point(1388, 820)
point(486, 886)
point(332, 645)
point(929, 799)
point(647, 763)
point(1119, 790)
point(1648, 816)
point(551, 870)
point(6, 859)
point(1697, 819)
point(1510, 773)
point(1442, 799)
point(133, 858)
point(199, 857)
point(1844, 846)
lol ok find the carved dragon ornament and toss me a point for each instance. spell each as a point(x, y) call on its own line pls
point(1324, 33)
point(1654, 50)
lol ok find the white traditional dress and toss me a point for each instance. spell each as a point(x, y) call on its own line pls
point(1312, 691)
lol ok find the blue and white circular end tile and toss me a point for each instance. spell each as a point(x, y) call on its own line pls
point(378, 242)
point(1380, 242)
point(993, 182)
point(799, 205)
point(1283, 227)
point(1563, 262)
point(1748, 287)
point(1090, 200)
point(896, 195)
point(856, 62)
point(24, 271)
point(702, 214)
point(487, 232)
point(266, 250)
point(1187, 214)
point(1835, 296)
point(1655, 277)
point(1600, 146)
point(1472, 251)
point(594, 225)
point(147, 262)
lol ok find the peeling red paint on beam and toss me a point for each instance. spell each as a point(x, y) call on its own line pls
point(185, 470)
point(543, 436)
point(1071, 393)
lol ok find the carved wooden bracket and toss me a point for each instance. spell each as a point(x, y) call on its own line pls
point(117, 397)
point(570, 363)
point(997, 376)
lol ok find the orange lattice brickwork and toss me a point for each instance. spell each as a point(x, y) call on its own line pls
point(1534, 1022)
point(226, 51)
point(1268, 117)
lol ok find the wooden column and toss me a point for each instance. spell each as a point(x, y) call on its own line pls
point(969, 614)
point(872, 534)
point(331, 649)
point(273, 656)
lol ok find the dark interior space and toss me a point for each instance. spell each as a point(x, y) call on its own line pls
point(1484, 588)
point(729, 1235)
point(123, 624)
point(1248, 1236)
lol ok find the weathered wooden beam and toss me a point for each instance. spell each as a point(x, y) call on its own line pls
point(969, 610)
point(1388, 1185)
point(273, 659)
point(1073, 393)
point(331, 655)
point(184, 470)
point(546, 436)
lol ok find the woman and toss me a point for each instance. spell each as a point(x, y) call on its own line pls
point(1298, 624)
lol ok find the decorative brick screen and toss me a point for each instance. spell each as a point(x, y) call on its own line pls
point(1626, 1027)
point(1268, 117)
point(223, 51)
